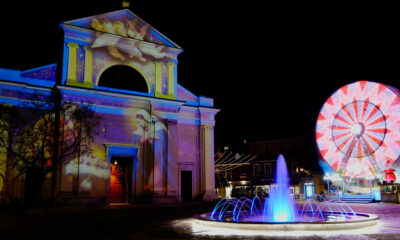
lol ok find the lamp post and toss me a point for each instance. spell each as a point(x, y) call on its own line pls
point(337, 178)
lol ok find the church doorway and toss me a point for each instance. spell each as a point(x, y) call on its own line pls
point(186, 186)
point(121, 179)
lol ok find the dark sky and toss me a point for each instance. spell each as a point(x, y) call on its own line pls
point(268, 67)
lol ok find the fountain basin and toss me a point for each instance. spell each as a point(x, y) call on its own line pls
point(337, 222)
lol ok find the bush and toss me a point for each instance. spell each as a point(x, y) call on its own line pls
point(248, 191)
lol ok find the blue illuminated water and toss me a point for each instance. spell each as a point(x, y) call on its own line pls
point(280, 207)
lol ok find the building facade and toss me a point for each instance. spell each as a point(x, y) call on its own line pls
point(156, 138)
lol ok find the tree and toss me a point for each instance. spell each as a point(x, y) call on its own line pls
point(40, 135)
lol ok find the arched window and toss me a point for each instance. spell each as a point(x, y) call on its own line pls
point(123, 77)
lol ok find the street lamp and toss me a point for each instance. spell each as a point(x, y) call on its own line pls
point(337, 178)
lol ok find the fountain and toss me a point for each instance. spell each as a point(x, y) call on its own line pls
point(280, 213)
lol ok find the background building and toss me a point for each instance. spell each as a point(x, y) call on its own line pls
point(302, 162)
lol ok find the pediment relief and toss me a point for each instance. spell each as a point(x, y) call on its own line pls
point(123, 23)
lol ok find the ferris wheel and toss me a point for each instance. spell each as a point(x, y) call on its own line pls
point(357, 130)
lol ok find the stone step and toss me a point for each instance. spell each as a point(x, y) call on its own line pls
point(357, 198)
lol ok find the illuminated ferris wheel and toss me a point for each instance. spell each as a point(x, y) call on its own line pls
point(357, 129)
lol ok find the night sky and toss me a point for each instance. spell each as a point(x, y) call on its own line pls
point(268, 67)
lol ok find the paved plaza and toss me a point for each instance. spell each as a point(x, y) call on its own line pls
point(168, 222)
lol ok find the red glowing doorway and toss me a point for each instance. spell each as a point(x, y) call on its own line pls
point(121, 180)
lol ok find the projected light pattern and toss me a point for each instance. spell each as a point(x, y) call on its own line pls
point(130, 28)
point(357, 129)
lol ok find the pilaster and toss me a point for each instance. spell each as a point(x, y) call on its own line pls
point(160, 158)
point(87, 82)
point(158, 76)
point(72, 54)
point(166, 174)
point(172, 159)
point(172, 81)
point(208, 163)
point(207, 121)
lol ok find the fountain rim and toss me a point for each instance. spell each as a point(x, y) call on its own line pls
point(368, 217)
point(370, 220)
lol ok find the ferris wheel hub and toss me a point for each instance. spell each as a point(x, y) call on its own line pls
point(358, 129)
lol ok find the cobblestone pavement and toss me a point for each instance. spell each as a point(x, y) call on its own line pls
point(173, 222)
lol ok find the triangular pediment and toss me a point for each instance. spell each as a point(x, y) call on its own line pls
point(123, 23)
point(186, 95)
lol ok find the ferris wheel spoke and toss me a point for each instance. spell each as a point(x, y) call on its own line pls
point(343, 120)
point(339, 127)
point(349, 116)
point(364, 110)
point(370, 139)
point(342, 144)
point(338, 137)
point(381, 131)
point(380, 119)
point(372, 113)
point(355, 110)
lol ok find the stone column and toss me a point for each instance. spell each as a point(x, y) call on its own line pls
point(158, 79)
point(139, 173)
point(160, 161)
point(172, 84)
point(87, 81)
point(72, 51)
point(208, 163)
point(172, 161)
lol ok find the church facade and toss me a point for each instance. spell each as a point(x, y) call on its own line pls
point(155, 141)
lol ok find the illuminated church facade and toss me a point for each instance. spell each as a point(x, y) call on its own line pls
point(155, 141)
